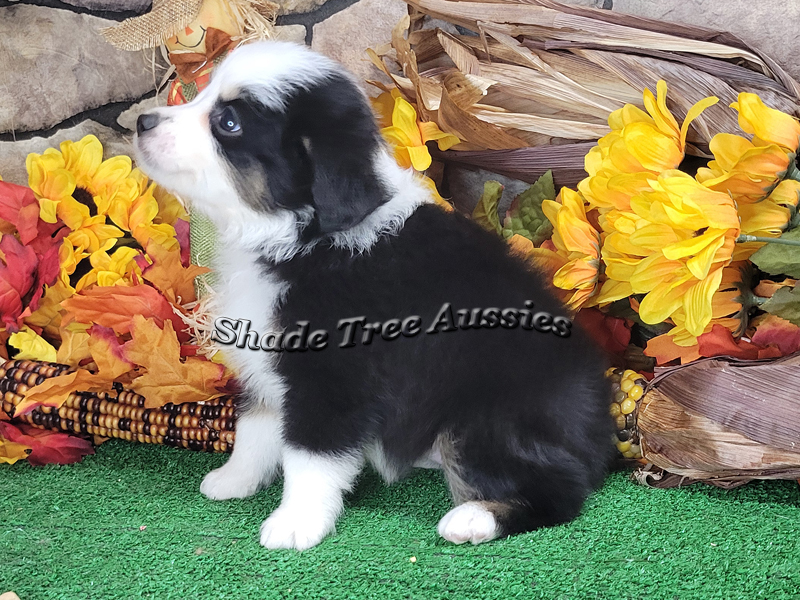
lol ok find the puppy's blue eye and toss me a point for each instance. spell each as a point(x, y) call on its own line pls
point(228, 120)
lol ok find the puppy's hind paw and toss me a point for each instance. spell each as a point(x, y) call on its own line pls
point(288, 529)
point(229, 482)
point(469, 522)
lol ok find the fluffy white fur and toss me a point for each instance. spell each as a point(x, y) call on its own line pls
point(180, 153)
point(313, 489)
point(468, 522)
point(255, 459)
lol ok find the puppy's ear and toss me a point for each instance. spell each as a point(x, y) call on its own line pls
point(340, 136)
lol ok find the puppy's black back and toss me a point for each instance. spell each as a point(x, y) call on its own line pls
point(521, 414)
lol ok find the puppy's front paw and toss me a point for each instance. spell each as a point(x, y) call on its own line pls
point(468, 522)
point(229, 482)
point(286, 528)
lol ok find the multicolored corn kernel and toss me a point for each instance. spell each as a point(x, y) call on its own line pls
point(627, 388)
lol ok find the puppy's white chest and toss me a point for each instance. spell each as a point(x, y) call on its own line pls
point(247, 292)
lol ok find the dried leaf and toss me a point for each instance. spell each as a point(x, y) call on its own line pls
point(457, 121)
point(169, 275)
point(465, 90)
point(460, 54)
point(485, 213)
point(55, 391)
point(116, 307)
point(168, 379)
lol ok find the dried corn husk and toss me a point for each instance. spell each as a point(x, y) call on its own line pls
point(722, 420)
point(538, 73)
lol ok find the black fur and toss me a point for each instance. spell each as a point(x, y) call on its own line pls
point(528, 411)
point(522, 414)
point(318, 152)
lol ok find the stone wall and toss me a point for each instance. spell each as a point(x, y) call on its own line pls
point(60, 80)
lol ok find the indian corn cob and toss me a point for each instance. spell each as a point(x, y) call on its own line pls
point(120, 413)
point(628, 388)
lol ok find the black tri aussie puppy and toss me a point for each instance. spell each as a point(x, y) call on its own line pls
point(318, 224)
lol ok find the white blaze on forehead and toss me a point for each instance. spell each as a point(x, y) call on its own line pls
point(270, 70)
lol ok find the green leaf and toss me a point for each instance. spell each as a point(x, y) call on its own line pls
point(785, 303)
point(525, 216)
point(485, 213)
point(777, 259)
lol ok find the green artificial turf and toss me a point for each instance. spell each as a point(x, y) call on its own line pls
point(129, 522)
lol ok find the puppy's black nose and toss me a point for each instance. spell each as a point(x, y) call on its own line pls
point(146, 122)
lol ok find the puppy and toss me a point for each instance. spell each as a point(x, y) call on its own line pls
point(320, 227)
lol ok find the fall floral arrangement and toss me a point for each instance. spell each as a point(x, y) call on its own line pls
point(95, 274)
point(667, 261)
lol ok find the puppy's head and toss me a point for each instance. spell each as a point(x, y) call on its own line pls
point(280, 132)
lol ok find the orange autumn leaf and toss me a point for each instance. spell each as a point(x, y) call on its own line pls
point(55, 391)
point(169, 275)
point(108, 353)
point(665, 350)
point(767, 287)
point(74, 345)
point(116, 306)
point(168, 379)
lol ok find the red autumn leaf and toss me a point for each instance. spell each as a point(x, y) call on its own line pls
point(771, 330)
point(55, 391)
point(182, 235)
point(12, 451)
point(47, 447)
point(189, 350)
point(116, 306)
point(720, 342)
point(50, 234)
point(611, 333)
point(17, 274)
point(46, 274)
point(19, 207)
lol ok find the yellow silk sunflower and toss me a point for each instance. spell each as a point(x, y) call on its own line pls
point(767, 125)
point(577, 248)
point(114, 269)
point(408, 136)
point(750, 169)
point(103, 203)
point(769, 218)
point(730, 305)
point(671, 246)
point(640, 145)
